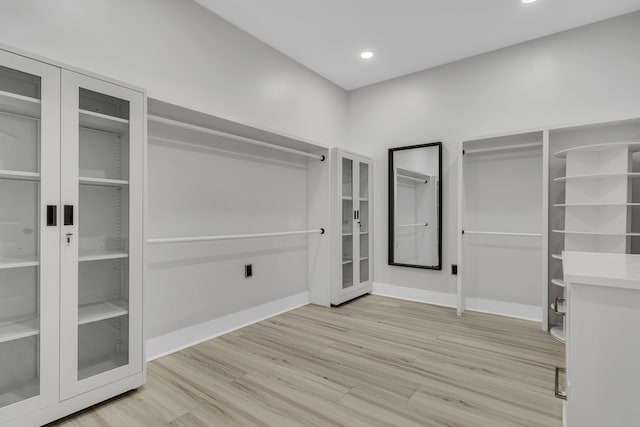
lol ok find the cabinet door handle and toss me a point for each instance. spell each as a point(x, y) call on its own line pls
point(52, 215)
point(560, 394)
point(556, 305)
point(68, 214)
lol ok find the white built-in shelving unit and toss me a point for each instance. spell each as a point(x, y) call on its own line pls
point(71, 185)
point(597, 205)
point(351, 189)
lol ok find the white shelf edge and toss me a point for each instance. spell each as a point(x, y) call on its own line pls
point(559, 282)
point(633, 145)
point(346, 261)
point(557, 256)
point(557, 332)
point(104, 116)
point(19, 175)
point(347, 198)
point(99, 256)
point(102, 182)
point(561, 307)
point(26, 106)
point(564, 205)
point(19, 330)
point(6, 263)
point(598, 176)
point(96, 312)
point(595, 233)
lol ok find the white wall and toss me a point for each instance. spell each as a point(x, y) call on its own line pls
point(183, 54)
point(590, 73)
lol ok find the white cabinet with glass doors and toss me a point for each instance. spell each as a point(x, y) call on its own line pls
point(352, 264)
point(71, 185)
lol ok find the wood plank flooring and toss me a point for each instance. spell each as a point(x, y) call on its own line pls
point(373, 362)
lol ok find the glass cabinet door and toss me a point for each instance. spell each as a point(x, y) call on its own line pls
point(29, 268)
point(348, 222)
point(101, 234)
point(363, 222)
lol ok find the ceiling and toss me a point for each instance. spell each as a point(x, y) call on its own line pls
point(327, 36)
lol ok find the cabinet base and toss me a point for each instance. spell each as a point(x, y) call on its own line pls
point(78, 403)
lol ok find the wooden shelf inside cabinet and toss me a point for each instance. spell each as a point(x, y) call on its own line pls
point(19, 175)
point(102, 182)
point(364, 258)
point(97, 311)
point(596, 233)
point(18, 104)
point(557, 332)
point(18, 262)
point(102, 122)
point(347, 198)
point(633, 147)
point(364, 199)
point(101, 255)
point(559, 282)
point(347, 261)
point(630, 175)
point(347, 234)
point(19, 330)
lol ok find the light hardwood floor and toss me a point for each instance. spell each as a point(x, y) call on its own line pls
point(373, 362)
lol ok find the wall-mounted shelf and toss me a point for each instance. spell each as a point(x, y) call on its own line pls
point(412, 175)
point(19, 175)
point(631, 175)
point(20, 105)
point(102, 182)
point(18, 262)
point(103, 122)
point(633, 147)
point(19, 330)
point(95, 312)
point(101, 255)
point(596, 233)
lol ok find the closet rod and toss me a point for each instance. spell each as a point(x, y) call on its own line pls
point(423, 224)
point(209, 131)
point(413, 178)
point(230, 237)
point(504, 147)
point(502, 233)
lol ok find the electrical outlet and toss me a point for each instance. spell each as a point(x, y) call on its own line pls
point(248, 270)
point(454, 269)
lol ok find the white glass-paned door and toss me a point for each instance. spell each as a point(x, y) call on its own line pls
point(102, 136)
point(29, 182)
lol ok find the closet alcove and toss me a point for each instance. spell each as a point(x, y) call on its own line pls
point(221, 196)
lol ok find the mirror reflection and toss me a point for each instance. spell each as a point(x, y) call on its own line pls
point(415, 196)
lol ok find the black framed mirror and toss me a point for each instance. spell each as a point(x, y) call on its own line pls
point(415, 206)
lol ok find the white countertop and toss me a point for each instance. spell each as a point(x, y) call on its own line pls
point(602, 269)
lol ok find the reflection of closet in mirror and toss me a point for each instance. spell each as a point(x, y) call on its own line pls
point(416, 211)
point(414, 226)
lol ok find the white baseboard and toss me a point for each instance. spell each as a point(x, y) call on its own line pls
point(509, 309)
point(519, 311)
point(192, 335)
point(412, 294)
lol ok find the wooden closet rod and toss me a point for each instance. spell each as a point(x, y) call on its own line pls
point(231, 237)
point(209, 131)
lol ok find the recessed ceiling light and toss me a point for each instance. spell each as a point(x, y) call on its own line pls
point(366, 54)
point(528, 1)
